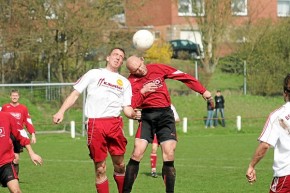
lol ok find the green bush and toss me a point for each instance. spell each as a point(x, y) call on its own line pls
point(160, 52)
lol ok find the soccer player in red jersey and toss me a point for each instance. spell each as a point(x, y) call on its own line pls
point(150, 94)
point(107, 94)
point(8, 175)
point(276, 134)
point(20, 112)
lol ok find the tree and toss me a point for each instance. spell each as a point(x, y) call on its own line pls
point(212, 19)
point(55, 33)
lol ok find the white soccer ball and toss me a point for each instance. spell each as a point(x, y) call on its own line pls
point(143, 40)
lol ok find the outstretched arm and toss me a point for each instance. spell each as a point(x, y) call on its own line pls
point(259, 154)
point(69, 101)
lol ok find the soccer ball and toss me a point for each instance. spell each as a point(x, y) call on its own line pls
point(143, 40)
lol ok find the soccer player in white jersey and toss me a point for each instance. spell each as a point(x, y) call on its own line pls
point(107, 94)
point(276, 133)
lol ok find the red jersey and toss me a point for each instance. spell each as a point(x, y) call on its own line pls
point(20, 112)
point(8, 125)
point(157, 73)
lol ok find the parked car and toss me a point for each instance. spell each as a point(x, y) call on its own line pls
point(184, 49)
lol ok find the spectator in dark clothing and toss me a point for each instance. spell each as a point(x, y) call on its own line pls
point(219, 107)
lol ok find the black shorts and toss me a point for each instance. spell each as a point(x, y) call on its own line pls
point(7, 173)
point(18, 148)
point(159, 121)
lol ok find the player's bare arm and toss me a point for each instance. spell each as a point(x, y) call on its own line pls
point(33, 138)
point(132, 113)
point(259, 154)
point(36, 159)
point(69, 101)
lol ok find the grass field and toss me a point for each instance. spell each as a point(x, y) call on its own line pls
point(212, 162)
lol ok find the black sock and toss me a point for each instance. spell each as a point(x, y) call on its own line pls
point(168, 175)
point(132, 169)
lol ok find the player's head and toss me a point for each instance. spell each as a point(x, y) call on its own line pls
point(287, 88)
point(115, 59)
point(14, 96)
point(136, 66)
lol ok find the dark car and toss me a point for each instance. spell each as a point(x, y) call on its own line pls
point(184, 49)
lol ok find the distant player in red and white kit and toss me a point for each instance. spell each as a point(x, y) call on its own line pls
point(8, 175)
point(276, 133)
point(108, 93)
point(20, 112)
point(150, 94)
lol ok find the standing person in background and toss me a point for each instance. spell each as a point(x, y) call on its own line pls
point(276, 133)
point(108, 93)
point(8, 127)
point(153, 155)
point(150, 94)
point(20, 112)
point(210, 112)
point(219, 107)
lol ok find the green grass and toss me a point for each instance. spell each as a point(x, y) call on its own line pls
point(209, 162)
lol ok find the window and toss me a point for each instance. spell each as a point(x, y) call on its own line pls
point(190, 7)
point(239, 7)
point(283, 8)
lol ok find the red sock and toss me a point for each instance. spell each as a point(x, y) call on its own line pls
point(153, 158)
point(119, 178)
point(103, 187)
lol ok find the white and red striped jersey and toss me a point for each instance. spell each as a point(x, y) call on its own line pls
point(107, 93)
point(276, 132)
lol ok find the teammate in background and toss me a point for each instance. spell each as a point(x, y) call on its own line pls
point(150, 94)
point(153, 155)
point(276, 133)
point(107, 94)
point(20, 112)
point(8, 126)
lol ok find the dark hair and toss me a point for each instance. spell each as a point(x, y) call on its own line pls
point(287, 85)
point(118, 48)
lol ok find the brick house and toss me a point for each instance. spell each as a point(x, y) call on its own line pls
point(176, 19)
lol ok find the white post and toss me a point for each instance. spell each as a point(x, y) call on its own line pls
point(239, 123)
point(184, 127)
point(73, 129)
point(131, 127)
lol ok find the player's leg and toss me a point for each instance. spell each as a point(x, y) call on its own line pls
point(168, 169)
point(119, 171)
point(98, 152)
point(132, 167)
point(102, 183)
point(153, 157)
point(13, 186)
point(9, 178)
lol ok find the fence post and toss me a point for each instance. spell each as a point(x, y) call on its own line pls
point(239, 122)
point(73, 129)
point(184, 126)
point(131, 127)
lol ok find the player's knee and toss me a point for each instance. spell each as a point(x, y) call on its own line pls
point(119, 167)
point(100, 169)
